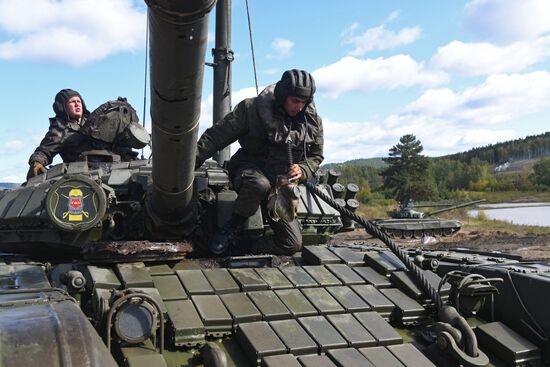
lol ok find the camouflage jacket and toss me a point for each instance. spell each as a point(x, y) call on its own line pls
point(67, 139)
point(262, 129)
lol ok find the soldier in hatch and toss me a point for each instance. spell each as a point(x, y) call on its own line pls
point(105, 135)
point(63, 135)
point(282, 113)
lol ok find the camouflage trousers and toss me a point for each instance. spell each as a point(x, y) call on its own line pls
point(253, 187)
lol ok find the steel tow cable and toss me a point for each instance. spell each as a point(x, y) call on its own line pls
point(446, 313)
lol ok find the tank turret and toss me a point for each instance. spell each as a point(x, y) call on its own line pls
point(75, 208)
point(72, 205)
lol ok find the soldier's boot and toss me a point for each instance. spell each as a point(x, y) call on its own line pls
point(226, 236)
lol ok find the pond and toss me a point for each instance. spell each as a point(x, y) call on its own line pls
point(532, 214)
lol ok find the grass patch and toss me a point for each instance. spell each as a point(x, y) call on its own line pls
point(492, 225)
point(481, 216)
point(374, 211)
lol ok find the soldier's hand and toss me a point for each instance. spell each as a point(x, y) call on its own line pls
point(35, 170)
point(294, 172)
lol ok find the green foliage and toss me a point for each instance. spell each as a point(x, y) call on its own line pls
point(359, 174)
point(462, 196)
point(481, 215)
point(513, 181)
point(366, 177)
point(455, 175)
point(541, 173)
point(530, 147)
point(462, 176)
point(369, 162)
point(409, 174)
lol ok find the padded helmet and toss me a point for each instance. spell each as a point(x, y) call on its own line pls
point(61, 98)
point(296, 83)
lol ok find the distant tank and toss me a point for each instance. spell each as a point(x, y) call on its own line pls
point(410, 223)
point(102, 267)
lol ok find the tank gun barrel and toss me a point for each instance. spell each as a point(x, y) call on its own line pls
point(178, 37)
point(431, 206)
point(453, 207)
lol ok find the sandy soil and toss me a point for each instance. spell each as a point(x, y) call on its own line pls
point(527, 246)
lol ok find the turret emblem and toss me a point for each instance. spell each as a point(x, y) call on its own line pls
point(76, 203)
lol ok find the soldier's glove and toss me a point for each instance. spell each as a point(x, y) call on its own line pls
point(35, 169)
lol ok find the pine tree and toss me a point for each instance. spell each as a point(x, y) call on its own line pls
point(409, 175)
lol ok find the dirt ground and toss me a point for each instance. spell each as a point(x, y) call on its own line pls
point(527, 246)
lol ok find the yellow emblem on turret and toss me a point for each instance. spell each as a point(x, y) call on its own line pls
point(75, 206)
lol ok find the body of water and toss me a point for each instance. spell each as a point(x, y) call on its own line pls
point(532, 214)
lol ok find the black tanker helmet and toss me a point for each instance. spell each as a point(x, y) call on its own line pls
point(295, 83)
point(60, 102)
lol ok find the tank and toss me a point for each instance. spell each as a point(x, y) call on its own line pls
point(106, 267)
point(409, 223)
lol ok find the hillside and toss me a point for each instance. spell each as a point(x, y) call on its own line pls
point(517, 165)
point(519, 153)
point(530, 147)
point(367, 162)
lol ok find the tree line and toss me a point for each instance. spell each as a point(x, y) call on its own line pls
point(410, 175)
point(535, 146)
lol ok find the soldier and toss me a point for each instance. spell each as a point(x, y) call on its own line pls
point(282, 113)
point(62, 137)
point(106, 135)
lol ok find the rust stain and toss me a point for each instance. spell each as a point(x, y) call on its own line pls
point(138, 248)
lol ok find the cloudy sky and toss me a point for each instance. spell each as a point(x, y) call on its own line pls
point(457, 74)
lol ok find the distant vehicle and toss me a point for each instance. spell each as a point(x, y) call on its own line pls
point(502, 167)
point(409, 223)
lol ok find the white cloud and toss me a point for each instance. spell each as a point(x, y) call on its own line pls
point(479, 137)
point(351, 74)
point(75, 32)
point(281, 48)
point(507, 20)
point(446, 121)
point(271, 71)
point(472, 59)
point(500, 98)
point(351, 140)
point(441, 136)
point(393, 16)
point(14, 145)
point(378, 38)
point(14, 179)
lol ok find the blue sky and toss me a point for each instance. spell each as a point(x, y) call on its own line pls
point(457, 74)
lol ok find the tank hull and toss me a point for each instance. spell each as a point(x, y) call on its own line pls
point(272, 309)
point(416, 228)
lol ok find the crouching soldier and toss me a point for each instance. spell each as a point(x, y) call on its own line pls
point(283, 114)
